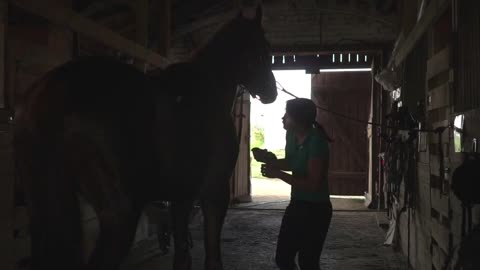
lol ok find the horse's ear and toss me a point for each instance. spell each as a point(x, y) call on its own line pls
point(259, 14)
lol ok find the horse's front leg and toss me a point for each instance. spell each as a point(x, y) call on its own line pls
point(215, 199)
point(180, 212)
point(214, 212)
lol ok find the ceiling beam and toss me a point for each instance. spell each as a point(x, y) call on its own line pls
point(328, 49)
point(433, 11)
point(87, 27)
point(186, 29)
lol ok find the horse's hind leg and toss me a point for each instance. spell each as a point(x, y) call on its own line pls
point(99, 184)
point(214, 211)
point(180, 212)
point(117, 230)
point(118, 221)
point(54, 213)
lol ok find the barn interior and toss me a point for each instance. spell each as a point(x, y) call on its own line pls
point(402, 175)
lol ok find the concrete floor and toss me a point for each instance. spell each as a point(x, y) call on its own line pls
point(249, 237)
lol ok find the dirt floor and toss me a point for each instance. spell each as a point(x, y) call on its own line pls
point(355, 241)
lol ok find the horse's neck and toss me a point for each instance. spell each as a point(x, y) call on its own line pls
point(222, 83)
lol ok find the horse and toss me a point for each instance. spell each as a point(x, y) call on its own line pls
point(100, 130)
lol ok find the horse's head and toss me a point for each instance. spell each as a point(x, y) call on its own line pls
point(254, 59)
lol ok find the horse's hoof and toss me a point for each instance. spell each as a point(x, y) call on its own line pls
point(216, 266)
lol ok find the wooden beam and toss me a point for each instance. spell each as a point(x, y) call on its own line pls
point(434, 10)
point(89, 28)
point(3, 42)
point(184, 30)
point(279, 49)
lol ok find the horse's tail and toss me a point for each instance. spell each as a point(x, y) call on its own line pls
point(55, 221)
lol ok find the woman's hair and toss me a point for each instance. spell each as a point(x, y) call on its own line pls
point(304, 112)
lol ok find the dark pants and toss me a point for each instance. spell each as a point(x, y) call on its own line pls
point(303, 231)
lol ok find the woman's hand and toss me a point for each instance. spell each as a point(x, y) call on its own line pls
point(270, 171)
point(262, 155)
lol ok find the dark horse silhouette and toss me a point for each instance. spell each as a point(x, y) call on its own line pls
point(101, 130)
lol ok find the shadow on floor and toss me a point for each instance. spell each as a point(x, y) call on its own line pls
point(250, 233)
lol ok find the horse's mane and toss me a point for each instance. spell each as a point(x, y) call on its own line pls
point(217, 40)
point(222, 39)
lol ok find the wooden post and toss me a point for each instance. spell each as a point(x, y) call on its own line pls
point(3, 42)
point(7, 255)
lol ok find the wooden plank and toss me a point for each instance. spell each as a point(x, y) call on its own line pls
point(438, 63)
point(438, 257)
point(433, 138)
point(424, 190)
point(433, 11)
point(3, 42)
point(443, 77)
point(440, 234)
point(440, 202)
point(439, 114)
point(7, 256)
point(89, 28)
point(424, 157)
point(424, 172)
point(439, 97)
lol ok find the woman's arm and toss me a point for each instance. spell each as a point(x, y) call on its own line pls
point(313, 180)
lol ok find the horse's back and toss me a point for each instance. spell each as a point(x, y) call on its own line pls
point(97, 99)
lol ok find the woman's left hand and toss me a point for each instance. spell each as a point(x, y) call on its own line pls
point(270, 171)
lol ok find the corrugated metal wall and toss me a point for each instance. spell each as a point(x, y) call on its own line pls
point(467, 94)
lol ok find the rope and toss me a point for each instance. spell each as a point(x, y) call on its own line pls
point(437, 130)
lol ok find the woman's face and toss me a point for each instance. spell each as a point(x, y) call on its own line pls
point(288, 122)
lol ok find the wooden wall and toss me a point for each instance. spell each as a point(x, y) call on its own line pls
point(436, 217)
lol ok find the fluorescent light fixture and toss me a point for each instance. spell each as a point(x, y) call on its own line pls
point(346, 70)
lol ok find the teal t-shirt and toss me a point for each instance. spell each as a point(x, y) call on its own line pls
point(315, 145)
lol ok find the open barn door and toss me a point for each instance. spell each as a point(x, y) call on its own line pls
point(347, 93)
point(240, 186)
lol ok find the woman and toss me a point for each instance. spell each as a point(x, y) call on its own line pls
point(307, 217)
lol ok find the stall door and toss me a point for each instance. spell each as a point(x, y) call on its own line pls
point(240, 187)
point(346, 93)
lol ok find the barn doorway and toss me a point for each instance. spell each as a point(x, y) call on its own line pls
point(266, 131)
point(343, 91)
